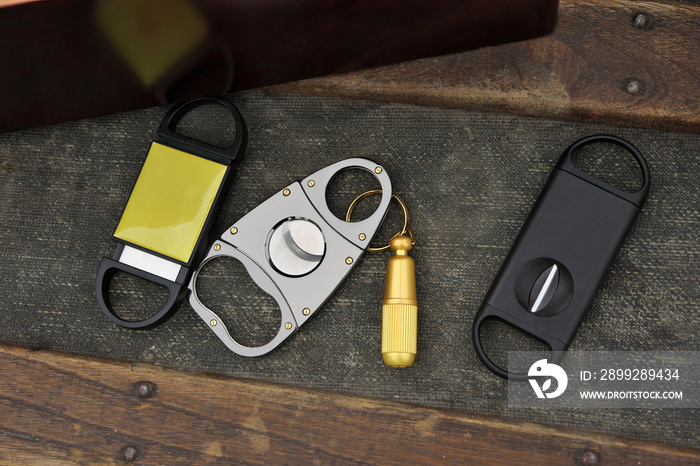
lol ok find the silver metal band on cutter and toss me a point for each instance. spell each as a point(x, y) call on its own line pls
point(284, 258)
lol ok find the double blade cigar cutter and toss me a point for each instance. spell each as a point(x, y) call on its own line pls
point(295, 249)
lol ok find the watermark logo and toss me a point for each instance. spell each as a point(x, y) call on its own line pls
point(605, 379)
point(542, 369)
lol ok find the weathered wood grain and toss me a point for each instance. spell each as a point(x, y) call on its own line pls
point(62, 409)
point(596, 66)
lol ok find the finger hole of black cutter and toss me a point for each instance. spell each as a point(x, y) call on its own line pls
point(345, 186)
point(610, 163)
point(135, 299)
point(209, 123)
point(499, 337)
point(251, 316)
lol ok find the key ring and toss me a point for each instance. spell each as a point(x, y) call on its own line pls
point(404, 229)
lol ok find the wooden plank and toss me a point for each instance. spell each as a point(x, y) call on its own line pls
point(596, 66)
point(63, 409)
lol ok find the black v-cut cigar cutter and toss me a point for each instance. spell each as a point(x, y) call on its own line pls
point(561, 255)
point(296, 250)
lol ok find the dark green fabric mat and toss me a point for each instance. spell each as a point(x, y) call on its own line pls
point(469, 180)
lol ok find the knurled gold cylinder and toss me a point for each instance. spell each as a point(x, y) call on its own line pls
point(400, 308)
point(399, 334)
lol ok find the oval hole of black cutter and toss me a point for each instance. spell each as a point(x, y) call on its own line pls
point(498, 337)
point(133, 298)
point(610, 163)
point(220, 128)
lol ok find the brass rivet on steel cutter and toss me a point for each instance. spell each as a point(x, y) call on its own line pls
point(378, 170)
point(288, 325)
point(306, 311)
point(217, 247)
point(311, 183)
point(362, 237)
point(213, 323)
point(234, 230)
point(286, 192)
point(348, 260)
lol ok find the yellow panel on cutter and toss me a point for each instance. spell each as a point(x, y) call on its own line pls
point(170, 202)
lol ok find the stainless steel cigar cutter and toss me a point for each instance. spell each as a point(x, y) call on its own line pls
point(295, 249)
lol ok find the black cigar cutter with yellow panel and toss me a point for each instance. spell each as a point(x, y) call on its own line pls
point(163, 231)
